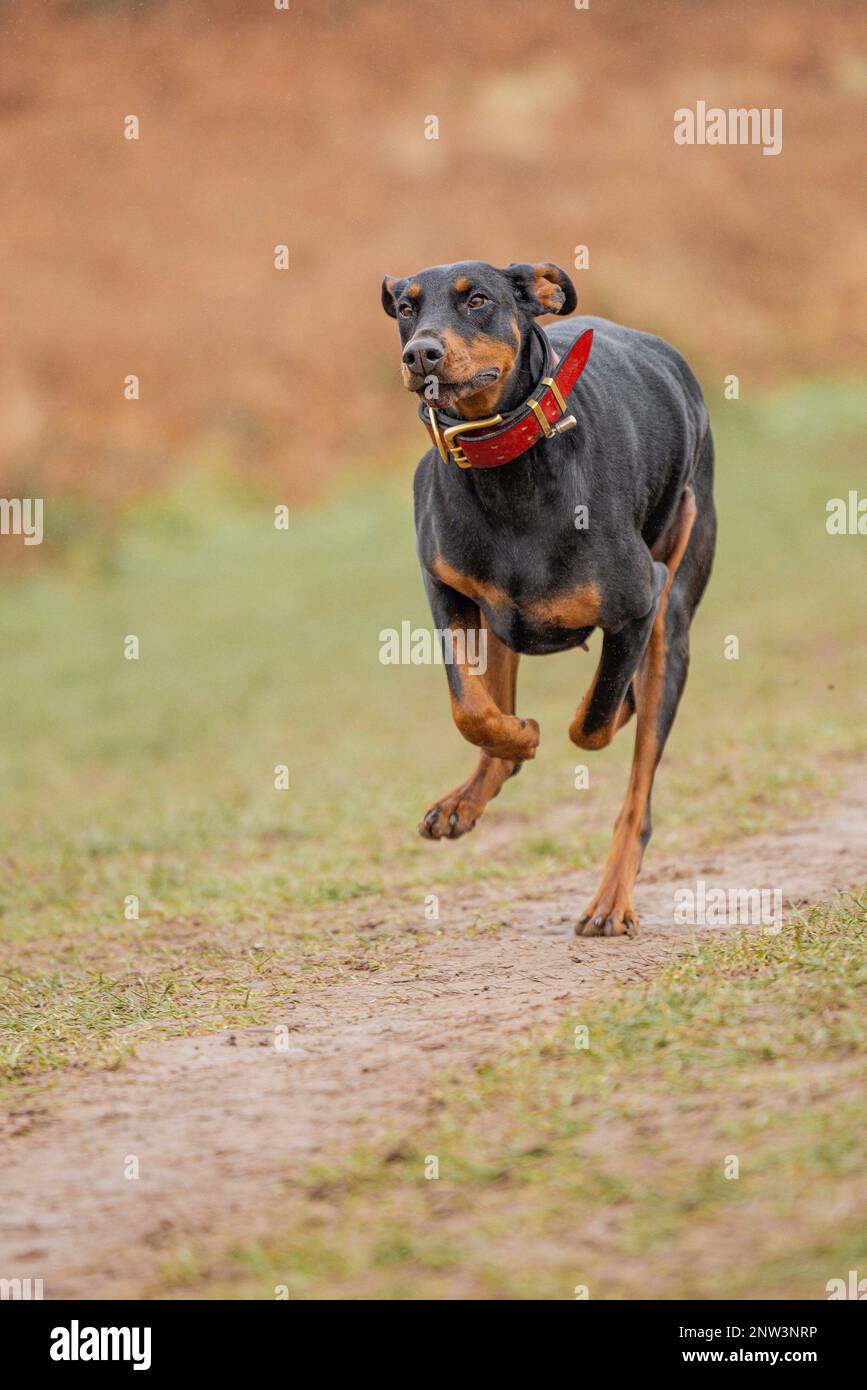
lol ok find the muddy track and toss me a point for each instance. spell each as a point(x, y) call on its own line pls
point(218, 1123)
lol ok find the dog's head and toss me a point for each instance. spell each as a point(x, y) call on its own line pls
point(462, 327)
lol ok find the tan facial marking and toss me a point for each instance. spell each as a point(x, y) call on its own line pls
point(457, 362)
point(414, 291)
point(462, 284)
point(482, 352)
point(464, 359)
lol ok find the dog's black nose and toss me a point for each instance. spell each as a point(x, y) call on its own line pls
point(423, 355)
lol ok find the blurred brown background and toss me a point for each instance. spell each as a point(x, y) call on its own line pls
point(306, 127)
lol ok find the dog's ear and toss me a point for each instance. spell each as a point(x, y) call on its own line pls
point(391, 291)
point(543, 289)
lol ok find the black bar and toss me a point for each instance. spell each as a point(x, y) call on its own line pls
point(244, 1337)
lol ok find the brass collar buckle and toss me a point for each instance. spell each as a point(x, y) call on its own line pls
point(445, 440)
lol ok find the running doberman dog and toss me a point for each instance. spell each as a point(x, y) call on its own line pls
point(569, 487)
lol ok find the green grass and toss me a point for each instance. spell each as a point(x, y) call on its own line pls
point(259, 647)
point(606, 1167)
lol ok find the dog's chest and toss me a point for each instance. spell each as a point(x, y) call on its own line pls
point(529, 609)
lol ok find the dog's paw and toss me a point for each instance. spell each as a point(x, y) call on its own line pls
point(450, 818)
point(610, 914)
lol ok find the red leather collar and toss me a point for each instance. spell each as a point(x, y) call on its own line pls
point(501, 438)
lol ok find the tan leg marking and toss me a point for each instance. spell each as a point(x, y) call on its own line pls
point(611, 912)
point(457, 812)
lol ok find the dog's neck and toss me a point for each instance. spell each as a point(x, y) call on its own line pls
point(525, 374)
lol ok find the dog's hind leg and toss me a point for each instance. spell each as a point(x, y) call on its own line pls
point(687, 588)
point(457, 812)
point(657, 689)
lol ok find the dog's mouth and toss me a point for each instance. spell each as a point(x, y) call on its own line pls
point(435, 391)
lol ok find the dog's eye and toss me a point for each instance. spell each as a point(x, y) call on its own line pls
point(476, 301)
point(405, 310)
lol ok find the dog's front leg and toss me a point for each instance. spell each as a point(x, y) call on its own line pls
point(482, 694)
point(609, 702)
point(617, 688)
point(611, 912)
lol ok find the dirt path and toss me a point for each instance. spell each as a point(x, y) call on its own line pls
point(218, 1123)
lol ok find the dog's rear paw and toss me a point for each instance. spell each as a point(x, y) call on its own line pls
point(610, 914)
point(450, 818)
